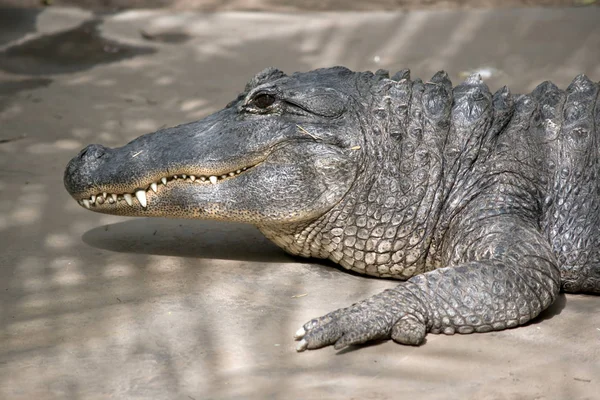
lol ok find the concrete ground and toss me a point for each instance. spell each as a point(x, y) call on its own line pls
point(96, 307)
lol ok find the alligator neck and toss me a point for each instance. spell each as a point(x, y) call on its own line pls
point(383, 226)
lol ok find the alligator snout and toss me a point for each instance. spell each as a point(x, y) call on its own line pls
point(80, 170)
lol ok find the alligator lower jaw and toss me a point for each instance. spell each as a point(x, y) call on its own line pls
point(104, 200)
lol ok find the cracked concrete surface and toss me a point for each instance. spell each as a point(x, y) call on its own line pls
point(96, 307)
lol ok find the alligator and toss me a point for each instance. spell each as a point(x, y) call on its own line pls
point(485, 205)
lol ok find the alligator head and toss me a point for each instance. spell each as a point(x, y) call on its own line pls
point(286, 151)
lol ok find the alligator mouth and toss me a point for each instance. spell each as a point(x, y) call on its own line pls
point(105, 200)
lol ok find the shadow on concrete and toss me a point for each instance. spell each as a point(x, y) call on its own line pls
point(69, 51)
point(555, 309)
point(13, 87)
point(186, 238)
point(16, 23)
point(9, 89)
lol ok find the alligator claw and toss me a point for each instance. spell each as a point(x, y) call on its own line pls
point(357, 324)
point(302, 345)
point(300, 333)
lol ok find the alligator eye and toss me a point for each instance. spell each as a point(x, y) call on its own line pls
point(263, 100)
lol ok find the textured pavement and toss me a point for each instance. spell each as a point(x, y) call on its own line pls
point(96, 307)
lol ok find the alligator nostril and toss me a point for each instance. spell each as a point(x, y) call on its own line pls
point(92, 152)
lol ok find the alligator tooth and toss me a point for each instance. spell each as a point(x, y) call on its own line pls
point(231, 173)
point(114, 197)
point(154, 187)
point(174, 176)
point(202, 178)
point(239, 171)
point(213, 180)
point(86, 203)
point(111, 200)
point(93, 198)
point(245, 168)
point(99, 200)
point(128, 199)
point(192, 178)
point(104, 194)
point(183, 176)
point(141, 196)
point(164, 180)
point(223, 176)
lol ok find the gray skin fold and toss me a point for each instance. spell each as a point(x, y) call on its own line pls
point(485, 205)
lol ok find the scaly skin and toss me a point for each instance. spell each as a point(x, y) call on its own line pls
point(487, 205)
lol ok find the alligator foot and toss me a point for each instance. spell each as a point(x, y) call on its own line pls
point(386, 315)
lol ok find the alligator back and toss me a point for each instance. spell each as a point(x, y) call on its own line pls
point(567, 126)
point(533, 155)
point(551, 146)
point(536, 156)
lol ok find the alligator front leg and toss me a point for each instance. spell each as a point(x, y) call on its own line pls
point(504, 278)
